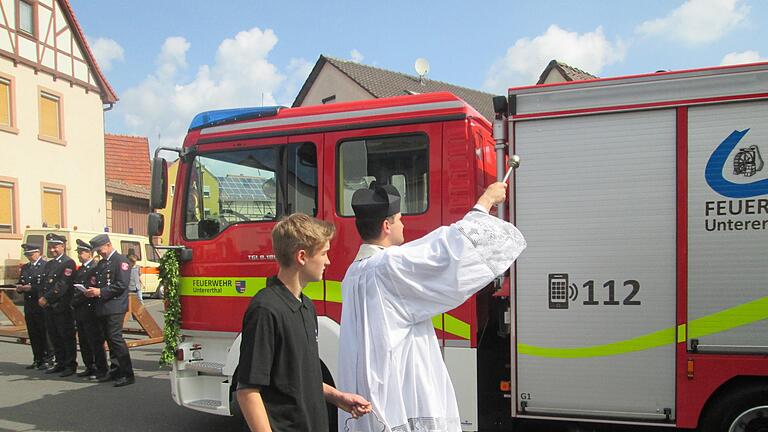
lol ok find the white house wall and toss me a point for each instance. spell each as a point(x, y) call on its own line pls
point(331, 81)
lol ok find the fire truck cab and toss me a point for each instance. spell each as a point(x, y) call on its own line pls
point(242, 170)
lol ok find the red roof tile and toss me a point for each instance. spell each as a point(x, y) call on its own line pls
point(127, 159)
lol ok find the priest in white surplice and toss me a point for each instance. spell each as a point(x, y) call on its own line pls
point(389, 352)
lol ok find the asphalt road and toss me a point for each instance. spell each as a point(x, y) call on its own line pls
point(33, 401)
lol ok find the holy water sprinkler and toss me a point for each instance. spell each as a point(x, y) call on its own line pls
point(513, 162)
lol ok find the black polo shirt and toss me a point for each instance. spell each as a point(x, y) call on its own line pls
point(278, 354)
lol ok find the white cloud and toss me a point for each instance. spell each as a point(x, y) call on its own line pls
point(106, 52)
point(526, 59)
point(698, 21)
point(742, 57)
point(163, 104)
point(356, 56)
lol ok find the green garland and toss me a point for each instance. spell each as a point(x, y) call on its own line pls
point(169, 277)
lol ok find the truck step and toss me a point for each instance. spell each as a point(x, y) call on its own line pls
point(206, 367)
point(210, 404)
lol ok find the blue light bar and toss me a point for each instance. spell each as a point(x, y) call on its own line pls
point(219, 117)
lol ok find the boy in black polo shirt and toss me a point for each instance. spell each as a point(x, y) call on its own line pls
point(280, 385)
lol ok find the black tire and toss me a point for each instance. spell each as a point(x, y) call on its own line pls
point(748, 402)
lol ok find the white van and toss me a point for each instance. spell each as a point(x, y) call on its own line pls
point(126, 244)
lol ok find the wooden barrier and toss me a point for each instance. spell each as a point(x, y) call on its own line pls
point(148, 325)
point(18, 329)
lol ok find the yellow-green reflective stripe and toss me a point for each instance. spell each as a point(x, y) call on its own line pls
point(437, 322)
point(314, 290)
point(333, 291)
point(452, 325)
point(652, 340)
point(727, 319)
point(221, 286)
point(738, 316)
point(456, 327)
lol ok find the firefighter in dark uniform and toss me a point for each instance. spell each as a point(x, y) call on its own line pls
point(89, 331)
point(111, 289)
point(29, 284)
point(56, 300)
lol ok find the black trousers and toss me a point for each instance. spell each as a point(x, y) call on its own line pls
point(37, 338)
point(91, 336)
point(112, 325)
point(61, 329)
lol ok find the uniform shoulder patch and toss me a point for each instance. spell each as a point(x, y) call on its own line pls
point(124, 266)
point(68, 272)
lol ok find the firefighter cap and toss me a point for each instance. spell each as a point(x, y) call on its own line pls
point(83, 246)
point(99, 240)
point(55, 239)
point(30, 248)
point(376, 202)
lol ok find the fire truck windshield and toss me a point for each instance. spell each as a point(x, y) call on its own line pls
point(254, 185)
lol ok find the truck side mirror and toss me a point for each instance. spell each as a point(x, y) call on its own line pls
point(155, 224)
point(159, 188)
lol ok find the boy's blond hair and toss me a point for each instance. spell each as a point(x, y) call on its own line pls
point(299, 231)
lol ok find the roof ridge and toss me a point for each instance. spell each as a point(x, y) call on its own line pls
point(110, 134)
point(562, 64)
point(111, 94)
point(413, 77)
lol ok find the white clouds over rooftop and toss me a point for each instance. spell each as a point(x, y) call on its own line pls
point(526, 59)
point(106, 52)
point(356, 56)
point(742, 57)
point(242, 74)
point(698, 21)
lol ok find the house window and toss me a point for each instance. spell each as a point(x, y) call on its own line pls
point(400, 161)
point(53, 206)
point(6, 104)
point(50, 118)
point(173, 189)
point(8, 208)
point(26, 17)
point(206, 191)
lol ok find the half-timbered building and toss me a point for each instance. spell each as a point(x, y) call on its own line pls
point(52, 102)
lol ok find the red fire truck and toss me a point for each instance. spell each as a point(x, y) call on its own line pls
point(641, 298)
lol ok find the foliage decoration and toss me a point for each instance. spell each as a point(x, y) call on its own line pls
point(169, 277)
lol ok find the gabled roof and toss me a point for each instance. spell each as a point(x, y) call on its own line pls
point(108, 94)
point(126, 165)
point(568, 72)
point(384, 83)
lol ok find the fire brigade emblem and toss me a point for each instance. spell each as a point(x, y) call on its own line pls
point(124, 266)
point(747, 161)
point(240, 286)
point(68, 272)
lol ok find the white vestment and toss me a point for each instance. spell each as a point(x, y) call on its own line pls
point(389, 353)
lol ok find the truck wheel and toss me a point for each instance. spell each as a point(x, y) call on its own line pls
point(743, 410)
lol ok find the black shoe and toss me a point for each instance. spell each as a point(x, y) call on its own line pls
point(104, 378)
point(67, 372)
point(86, 373)
point(44, 366)
point(55, 369)
point(124, 381)
point(34, 365)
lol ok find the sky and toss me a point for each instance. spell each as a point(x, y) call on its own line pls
point(170, 59)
